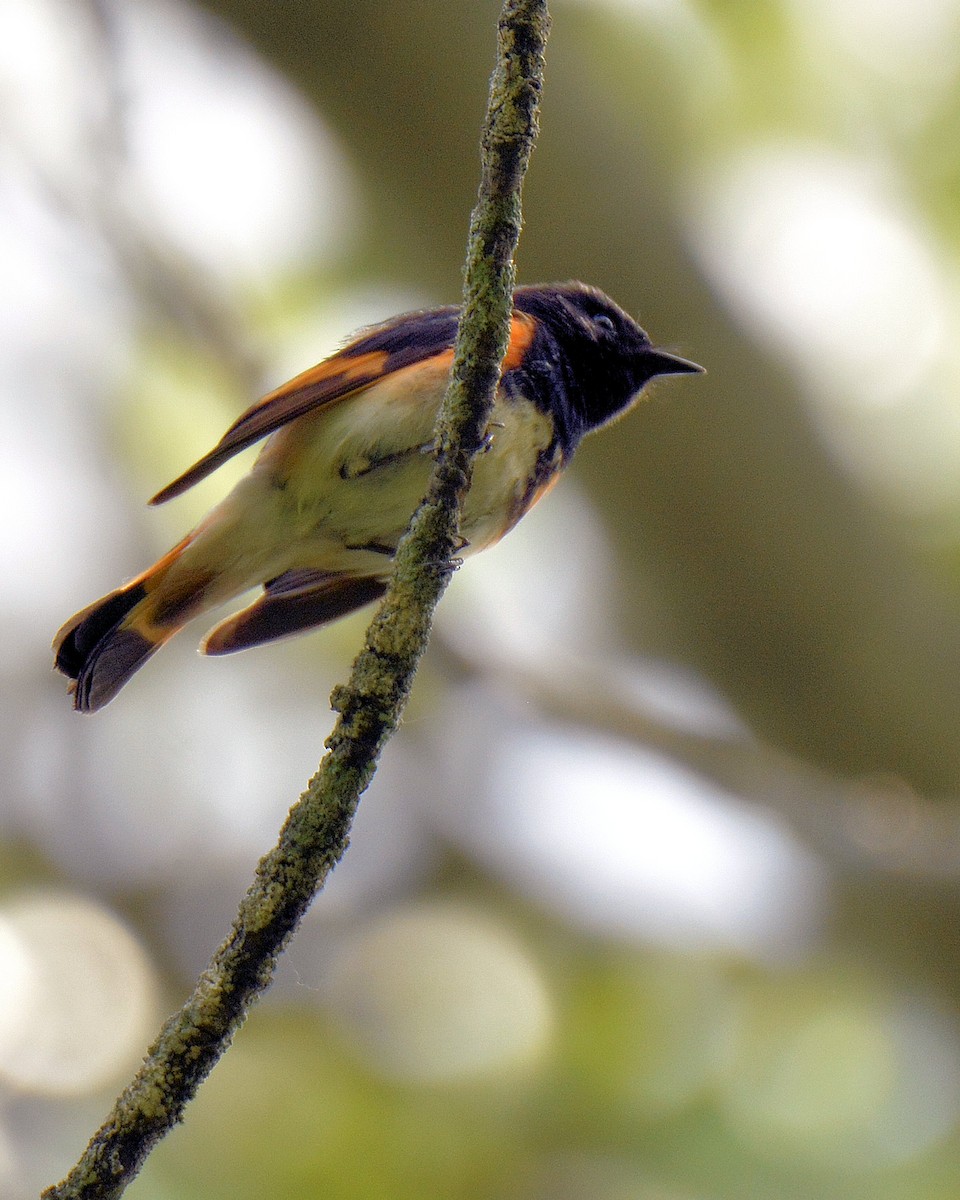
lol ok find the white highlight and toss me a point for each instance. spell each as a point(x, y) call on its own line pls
point(628, 843)
point(79, 998)
point(438, 994)
point(820, 258)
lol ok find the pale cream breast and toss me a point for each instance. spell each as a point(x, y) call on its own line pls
point(337, 488)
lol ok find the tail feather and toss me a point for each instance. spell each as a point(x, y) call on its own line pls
point(99, 650)
point(79, 637)
point(291, 603)
point(103, 645)
point(108, 668)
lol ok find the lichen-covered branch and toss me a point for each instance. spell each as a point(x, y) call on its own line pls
point(316, 832)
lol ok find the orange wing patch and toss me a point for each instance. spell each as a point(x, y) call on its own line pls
point(344, 374)
point(329, 381)
point(363, 368)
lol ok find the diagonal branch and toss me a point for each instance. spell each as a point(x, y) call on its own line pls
point(316, 832)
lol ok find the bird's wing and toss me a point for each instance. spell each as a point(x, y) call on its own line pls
point(375, 354)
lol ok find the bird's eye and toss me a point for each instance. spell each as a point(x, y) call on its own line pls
point(602, 321)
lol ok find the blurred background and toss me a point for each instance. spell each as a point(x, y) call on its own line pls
point(656, 894)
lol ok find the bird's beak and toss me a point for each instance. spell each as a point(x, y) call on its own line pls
point(663, 363)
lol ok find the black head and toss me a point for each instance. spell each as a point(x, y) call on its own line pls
point(608, 357)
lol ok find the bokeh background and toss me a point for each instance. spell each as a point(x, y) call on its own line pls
point(656, 895)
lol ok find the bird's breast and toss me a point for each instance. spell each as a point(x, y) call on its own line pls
point(355, 473)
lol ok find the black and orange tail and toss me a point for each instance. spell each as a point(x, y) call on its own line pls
point(99, 651)
point(103, 645)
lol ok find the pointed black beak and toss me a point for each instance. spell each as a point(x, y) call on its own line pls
point(659, 362)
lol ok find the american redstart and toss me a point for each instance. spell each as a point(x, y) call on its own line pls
point(317, 520)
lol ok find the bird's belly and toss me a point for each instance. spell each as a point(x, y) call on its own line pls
point(509, 477)
point(349, 488)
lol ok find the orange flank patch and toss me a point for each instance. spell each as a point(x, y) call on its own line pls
point(533, 495)
point(365, 368)
point(547, 486)
point(522, 330)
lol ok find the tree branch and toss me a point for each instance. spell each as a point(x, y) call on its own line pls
point(316, 832)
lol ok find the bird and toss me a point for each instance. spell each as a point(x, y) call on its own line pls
point(347, 458)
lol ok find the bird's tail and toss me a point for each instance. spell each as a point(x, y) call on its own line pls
point(102, 646)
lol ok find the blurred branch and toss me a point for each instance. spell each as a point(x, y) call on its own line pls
point(873, 825)
point(102, 201)
point(316, 832)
